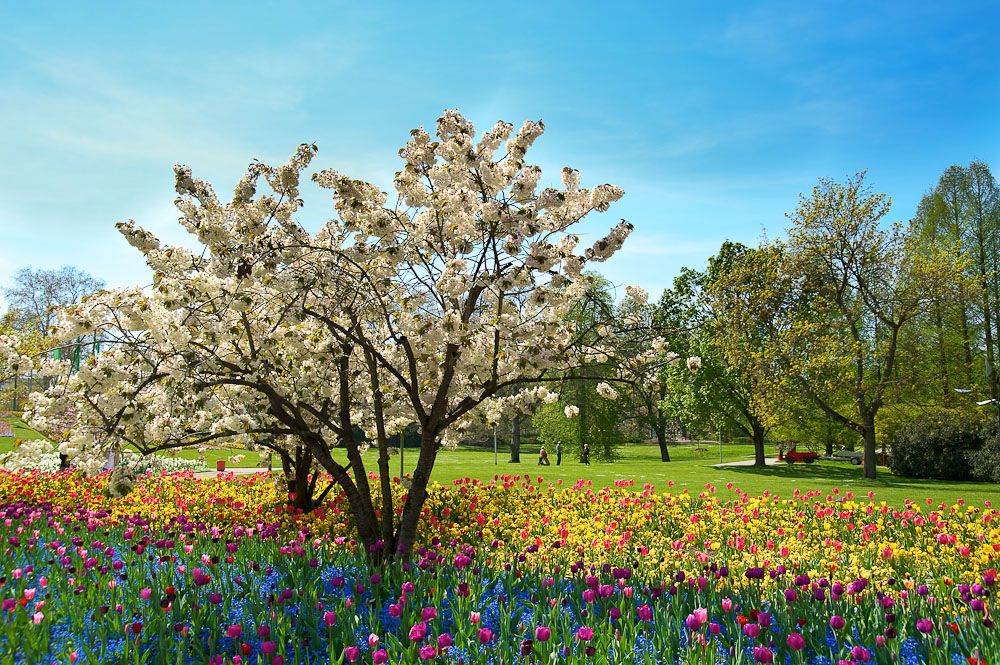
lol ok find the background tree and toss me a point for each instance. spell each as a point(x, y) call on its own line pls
point(843, 289)
point(36, 291)
point(725, 393)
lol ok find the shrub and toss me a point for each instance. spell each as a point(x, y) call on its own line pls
point(985, 462)
point(939, 446)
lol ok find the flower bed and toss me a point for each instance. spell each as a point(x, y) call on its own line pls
point(182, 570)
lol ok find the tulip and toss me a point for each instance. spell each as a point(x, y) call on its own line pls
point(837, 622)
point(763, 655)
point(329, 618)
point(351, 654)
point(585, 633)
point(372, 641)
point(444, 641)
point(428, 613)
point(267, 648)
point(542, 633)
point(418, 631)
point(427, 652)
point(796, 642)
point(485, 635)
point(474, 617)
point(234, 632)
point(380, 657)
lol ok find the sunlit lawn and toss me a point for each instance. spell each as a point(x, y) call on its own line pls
point(691, 468)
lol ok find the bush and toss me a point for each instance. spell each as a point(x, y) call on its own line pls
point(940, 445)
point(985, 462)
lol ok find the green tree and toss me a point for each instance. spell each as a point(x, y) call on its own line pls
point(835, 299)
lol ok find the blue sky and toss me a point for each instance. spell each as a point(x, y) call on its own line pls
point(712, 121)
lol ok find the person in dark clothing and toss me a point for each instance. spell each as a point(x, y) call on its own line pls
point(586, 454)
point(558, 453)
point(543, 457)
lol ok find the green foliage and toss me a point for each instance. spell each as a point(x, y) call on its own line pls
point(598, 423)
point(938, 445)
point(983, 463)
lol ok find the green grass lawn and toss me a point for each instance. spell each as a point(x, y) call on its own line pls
point(690, 468)
point(21, 431)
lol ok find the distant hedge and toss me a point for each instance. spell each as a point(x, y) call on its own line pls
point(947, 445)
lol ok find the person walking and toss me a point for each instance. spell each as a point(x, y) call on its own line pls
point(558, 453)
point(586, 454)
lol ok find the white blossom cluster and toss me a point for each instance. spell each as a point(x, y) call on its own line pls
point(606, 391)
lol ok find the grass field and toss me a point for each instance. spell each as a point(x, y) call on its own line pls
point(691, 468)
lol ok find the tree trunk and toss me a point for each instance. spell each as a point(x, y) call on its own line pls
point(661, 438)
point(868, 431)
point(515, 440)
point(301, 486)
point(416, 495)
point(758, 444)
point(942, 355)
point(966, 335)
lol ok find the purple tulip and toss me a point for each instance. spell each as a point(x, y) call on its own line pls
point(418, 632)
point(542, 634)
point(796, 642)
point(763, 655)
point(837, 622)
point(925, 625)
